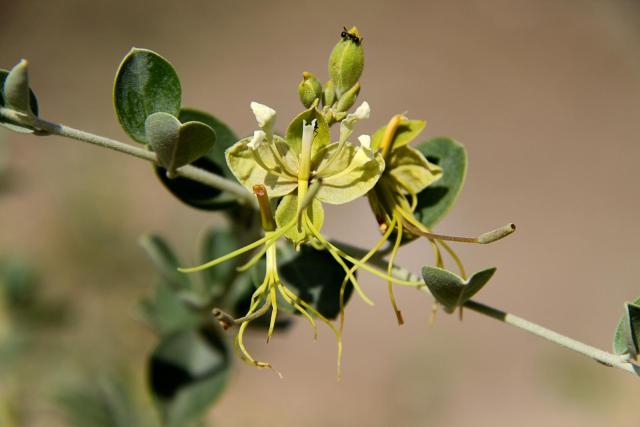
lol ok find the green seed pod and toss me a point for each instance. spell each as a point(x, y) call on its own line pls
point(347, 100)
point(309, 89)
point(329, 94)
point(347, 61)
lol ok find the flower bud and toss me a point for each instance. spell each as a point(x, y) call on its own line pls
point(309, 89)
point(347, 100)
point(347, 61)
point(329, 94)
point(16, 88)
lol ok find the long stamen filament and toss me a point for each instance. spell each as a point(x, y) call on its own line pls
point(330, 247)
point(280, 161)
point(392, 258)
point(365, 258)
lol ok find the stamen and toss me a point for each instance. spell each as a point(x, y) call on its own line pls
point(392, 258)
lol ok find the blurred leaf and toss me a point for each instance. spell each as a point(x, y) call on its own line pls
point(21, 291)
point(107, 403)
point(187, 372)
point(435, 201)
point(145, 83)
point(626, 339)
point(177, 144)
point(165, 260)
point(194, 193)
point(166, 312)
point(215, 243)
point(33, 104)
point(451, 290)
point(316, 278)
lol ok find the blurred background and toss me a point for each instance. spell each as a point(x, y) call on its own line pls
point(544, 94)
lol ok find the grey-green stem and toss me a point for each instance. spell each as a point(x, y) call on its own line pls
point(601, 356)
point(44, 127)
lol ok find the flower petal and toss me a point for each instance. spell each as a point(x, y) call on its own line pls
point(259, 166)
point(409, 168)
point(350, 175)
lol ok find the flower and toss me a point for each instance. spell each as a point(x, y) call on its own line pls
point(304, 159)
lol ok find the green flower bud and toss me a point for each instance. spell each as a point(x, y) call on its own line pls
point(329, 94)
point(347, 61)
point(347, 100)
point(309, 89)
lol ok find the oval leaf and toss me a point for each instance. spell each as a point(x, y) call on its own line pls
point(435, 201)
point(187, 372)
point(193, 193)
point(451, 290)
point(146, 83)
point(626, 339)
point(33, 103)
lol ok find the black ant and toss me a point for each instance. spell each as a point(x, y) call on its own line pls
point(315, 129)
point(345, 34)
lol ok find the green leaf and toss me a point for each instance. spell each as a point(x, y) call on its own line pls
point(187, 372)
point(146, 83)
point(215, 243)
point(33, 103)
point(321, 138)
point(451, 290)
point(435, 201)
point(316, 277)
point(406, 132)
point(626, 339)
point(177, 144)
point(194, 193)
point(165, 260)
point(107, 402)
point(166, 312)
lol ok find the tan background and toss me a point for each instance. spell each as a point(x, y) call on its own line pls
point(546, 97)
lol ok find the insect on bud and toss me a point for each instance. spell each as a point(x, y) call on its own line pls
point(347, 61)
point(309, 89)
point(347, 100)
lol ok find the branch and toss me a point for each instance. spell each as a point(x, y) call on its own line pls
point(44, 127)
point(601, 356)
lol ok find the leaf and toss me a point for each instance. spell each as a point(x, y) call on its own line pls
point(145, 83)
point(316, 278)
point(166, 312)
point(626, 339)
point(33, 103)
point(215, 243)
point(187, 372)
point(177, 144)
point(321, 138)
point(104, 403)
point(406, 132)
point(225, 137)
point(435, 201)
point(194, 193)
point(451, 290)
point(349, 176)
point(249, 172)
point(165, 260)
